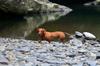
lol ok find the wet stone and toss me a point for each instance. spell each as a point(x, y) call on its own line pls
point(23, 49)
point(92, 56)
point(89, 35)
point(82, 51)
point(55, 61)
point(75, 42)
point(78, 34)
point(42, 50)
point(45, 64)
point(3, 60)
point(97, 45)
point(2, 48)
point(70, 54)
point(97, 55)
point(62, 56)
point(89, 63)
point(86, 64)
point(98, 62)
point(28, 64)
point(10, 47)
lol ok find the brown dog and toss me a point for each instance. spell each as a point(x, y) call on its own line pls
point(49, 36)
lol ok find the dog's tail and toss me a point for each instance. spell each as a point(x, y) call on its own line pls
point(67, 33)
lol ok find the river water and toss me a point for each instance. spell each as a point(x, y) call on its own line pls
point(80, 19)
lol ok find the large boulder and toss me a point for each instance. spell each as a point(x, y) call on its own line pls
point(94, 3)
point(26, 6)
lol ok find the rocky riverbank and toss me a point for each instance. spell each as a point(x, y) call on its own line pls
point(83, 49)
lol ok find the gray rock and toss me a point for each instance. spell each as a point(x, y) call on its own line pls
point(10, 47)
point(98, 55)
point(3, 60)
point(93, 3)
point(45, 64)
point(2, 48)
point(75, 42)
point(62, 56)
point(86, 63)
point(89, 63)
point(42, 50)
point(71, 52)
point(89, 35)
point(82, 50)
point(92, 56)
point(55, 61)
point(29, 64)
point(25, 6)
point(78, 34)
point(23, 49)
point(98, 62)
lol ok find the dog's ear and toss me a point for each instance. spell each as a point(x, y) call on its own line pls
point(43, 30)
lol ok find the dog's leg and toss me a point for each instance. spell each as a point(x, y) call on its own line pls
point(62, 40)
point(40, 39)
point(48, 40)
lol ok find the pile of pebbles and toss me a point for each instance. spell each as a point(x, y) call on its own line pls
point(83, 49)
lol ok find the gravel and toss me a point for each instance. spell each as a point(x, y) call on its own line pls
point(74, 52)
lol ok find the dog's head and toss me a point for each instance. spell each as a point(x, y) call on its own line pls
point(40, 31)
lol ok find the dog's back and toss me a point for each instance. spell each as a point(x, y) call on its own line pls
point(58, 34)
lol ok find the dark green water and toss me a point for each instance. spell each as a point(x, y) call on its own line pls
point(80, 19)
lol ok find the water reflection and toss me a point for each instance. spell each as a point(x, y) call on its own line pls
point(21, 27)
